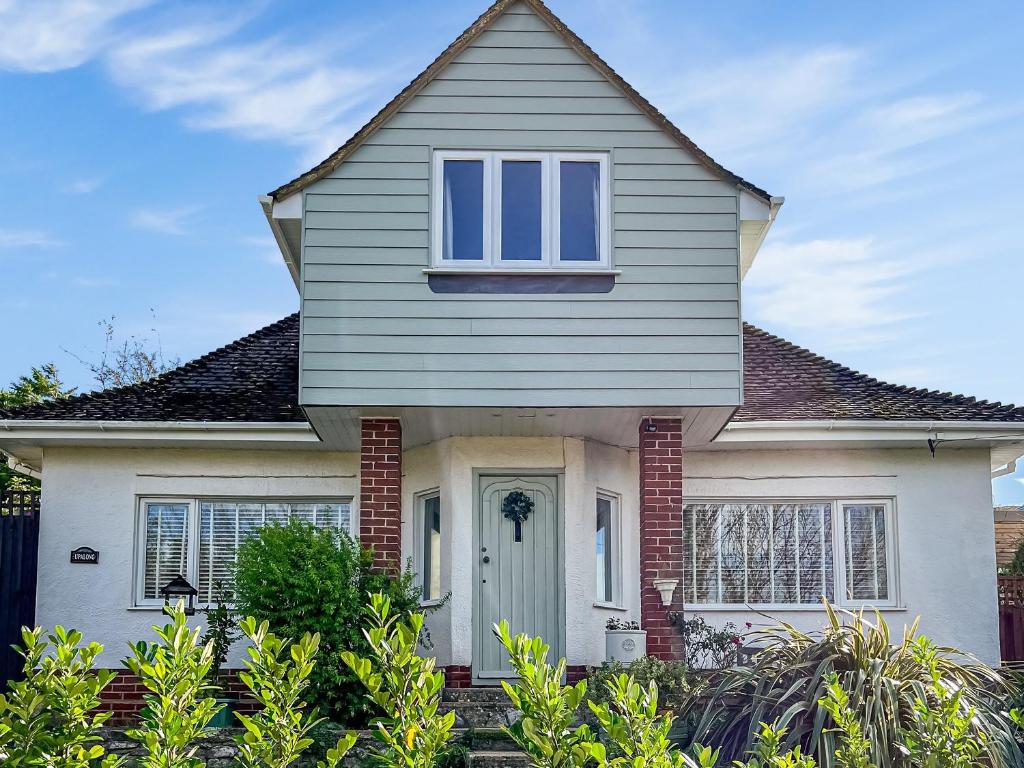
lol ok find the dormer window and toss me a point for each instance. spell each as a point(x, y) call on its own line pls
point(520, 210)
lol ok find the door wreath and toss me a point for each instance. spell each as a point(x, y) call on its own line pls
point(517, 507)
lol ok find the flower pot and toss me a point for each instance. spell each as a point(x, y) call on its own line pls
point(225, 718)
point(625, 645)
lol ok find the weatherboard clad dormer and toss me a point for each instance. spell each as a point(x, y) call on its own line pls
point(519, 228)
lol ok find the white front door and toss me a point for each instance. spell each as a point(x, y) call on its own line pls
point(518, 571)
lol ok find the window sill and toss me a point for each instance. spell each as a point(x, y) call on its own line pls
point(157, 608)
point(743, 608)
point(525, 271)
point(430, 603)
point(611, 607)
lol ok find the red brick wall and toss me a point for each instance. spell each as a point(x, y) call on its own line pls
point(380, 491)
point(124, 696)
point(458, 676)
point(661, 525)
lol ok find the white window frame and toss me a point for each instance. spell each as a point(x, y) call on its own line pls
point(839, 522)
point(419, 523)
point(838, 552)
point(550, 218)
point(194, 504)
point(615, 527)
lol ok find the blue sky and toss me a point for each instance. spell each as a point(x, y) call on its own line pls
point(136, 136)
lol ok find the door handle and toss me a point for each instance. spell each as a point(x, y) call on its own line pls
point(487, 559)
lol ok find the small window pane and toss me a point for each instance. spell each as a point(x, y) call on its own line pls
point(605, 550)
point(579, 207)
point(521, 210)
point(750, 553)
point(431, 548)
point(166, 548)
point(866, 558)
point(464, 210)
point(224, 525)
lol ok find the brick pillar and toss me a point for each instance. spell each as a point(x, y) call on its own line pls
point(380, 491)
point(661, 528)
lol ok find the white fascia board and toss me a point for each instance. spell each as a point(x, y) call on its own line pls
point(1005, 439)
point(288, 208)
point(841, 430)
point(290, 260)
point(225, 431)
point(756, 218)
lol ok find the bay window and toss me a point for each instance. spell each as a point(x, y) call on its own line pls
point(199, 539)
point(520, 210)
point(788, 553)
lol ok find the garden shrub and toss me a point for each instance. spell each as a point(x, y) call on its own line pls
point(278, 673)
point(671, 677)
point(547, 731)
point(705, 646)
point(180, 701)
point(640, 735)
point(885, 683)
point(405, 686)
point(303, 579)
point(49, 718)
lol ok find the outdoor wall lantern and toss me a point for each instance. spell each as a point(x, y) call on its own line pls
point(179, 589)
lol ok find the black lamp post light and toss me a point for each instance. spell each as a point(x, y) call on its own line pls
point(179, 589)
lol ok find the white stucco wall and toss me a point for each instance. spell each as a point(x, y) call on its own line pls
point(90, 498)
point(945, 539)
point(943, 513)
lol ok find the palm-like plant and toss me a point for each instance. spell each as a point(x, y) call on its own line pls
point(884, 682)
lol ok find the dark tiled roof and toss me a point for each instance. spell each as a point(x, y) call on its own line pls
point(256, 379)
point(785, 382)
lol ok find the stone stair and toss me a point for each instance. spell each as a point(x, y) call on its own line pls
point(479, 708)
point(480, 714)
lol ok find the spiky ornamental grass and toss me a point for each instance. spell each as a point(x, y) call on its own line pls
point(884, 682)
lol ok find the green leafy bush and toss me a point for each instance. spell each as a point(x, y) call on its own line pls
point(405, 686)
point(278, 673)
point(705, 646)
point(547, 731)
point(302, 579)
point(49, 718)
point(179, 704)
point(883, 682)
point(671, 677)
point(631, 721)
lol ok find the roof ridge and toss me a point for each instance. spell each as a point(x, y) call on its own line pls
point(167, 376)
point(454, 48)
point(900, 388)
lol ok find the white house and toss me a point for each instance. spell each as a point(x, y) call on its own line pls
point(520, 280)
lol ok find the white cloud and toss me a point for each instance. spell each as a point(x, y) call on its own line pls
point(743, 107)
point(82, 186)
point(27, 238)
point(265, 90)
point(39, 36)
point(266, 247)
point(849, 288)
point(166, 221)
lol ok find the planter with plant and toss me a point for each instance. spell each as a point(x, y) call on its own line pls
point(624, 641)
point(222, 631)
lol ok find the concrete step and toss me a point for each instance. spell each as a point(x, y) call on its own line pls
point(498, 759)
point(479, 707)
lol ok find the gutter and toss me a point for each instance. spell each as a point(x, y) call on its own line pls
point(267, 204)
point(15, 463)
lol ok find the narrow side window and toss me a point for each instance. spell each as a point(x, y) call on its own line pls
point(430, 556)
point(606, 548)
point(463, 210)
point(164, 546)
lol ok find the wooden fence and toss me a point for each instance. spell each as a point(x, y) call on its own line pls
point(1011, 617)
point(19, 542)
